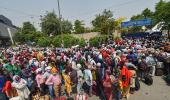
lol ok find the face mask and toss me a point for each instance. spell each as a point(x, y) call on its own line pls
point(17, 78)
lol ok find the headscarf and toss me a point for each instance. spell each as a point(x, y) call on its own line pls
point(78, 66)
point(48, 69)
point(38, 70)
point(16, 78)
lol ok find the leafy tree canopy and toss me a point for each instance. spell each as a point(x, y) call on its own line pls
point(104, 22)
point(79, 26)
point(51, 24)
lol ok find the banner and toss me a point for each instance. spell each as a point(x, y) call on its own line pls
point(137, 23)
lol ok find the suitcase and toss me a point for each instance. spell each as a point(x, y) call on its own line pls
point(148, 80)
point(159, 72)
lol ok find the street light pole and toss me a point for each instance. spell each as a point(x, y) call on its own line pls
point(60, 17)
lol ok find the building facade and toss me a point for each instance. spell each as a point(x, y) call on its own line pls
point(6, 24)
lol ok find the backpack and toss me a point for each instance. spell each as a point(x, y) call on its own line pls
point(148, 80)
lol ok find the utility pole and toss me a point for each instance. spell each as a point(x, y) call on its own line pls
point(60, 17)
point(10, 35)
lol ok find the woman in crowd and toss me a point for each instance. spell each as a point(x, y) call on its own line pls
point(125, 77)
point(67, 82)
point(54, 83)
point(21, 87)
point(40, 81)
point(107, 84)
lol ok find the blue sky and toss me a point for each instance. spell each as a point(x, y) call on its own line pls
point(30, 10)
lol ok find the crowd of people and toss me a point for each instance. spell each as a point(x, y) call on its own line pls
point(110, 71)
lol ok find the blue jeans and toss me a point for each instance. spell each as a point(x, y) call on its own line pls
point(51, 90)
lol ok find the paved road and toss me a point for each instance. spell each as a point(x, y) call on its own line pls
point(158, 91)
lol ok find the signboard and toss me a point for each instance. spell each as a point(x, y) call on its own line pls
point(137, 23)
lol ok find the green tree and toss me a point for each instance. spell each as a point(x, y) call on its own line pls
point(104, 22)
point(26, 33)
point(96, 41)
point(162, 14)
point(82, 42)
point(159, 9)
point(19, 36)
point(57, 41)
point(162, 11)
point(44, 41)
point(67, 26)
point(147, 13)
point(28, 28)
point(50, 24)
point(136, 17)
point(69, 40)
point(87, 30)
point(79, 27)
